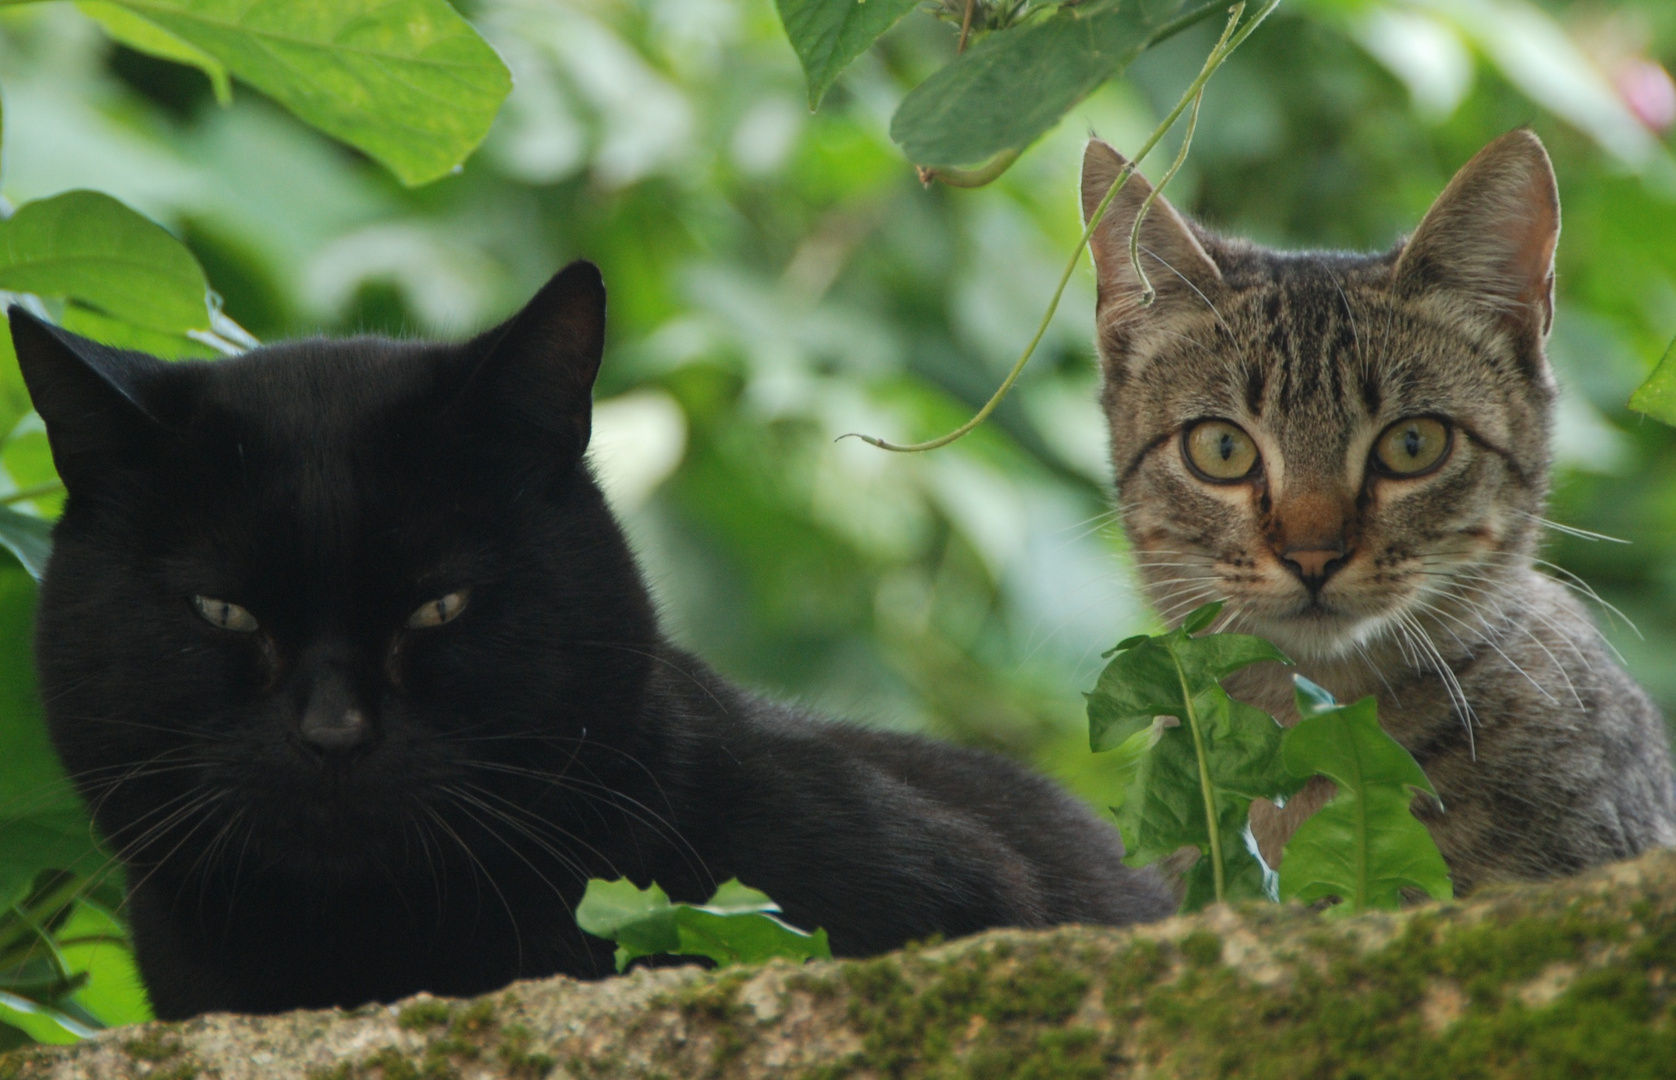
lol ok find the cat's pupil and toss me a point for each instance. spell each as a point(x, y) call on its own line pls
point(1225, 446)
point(1411, 442)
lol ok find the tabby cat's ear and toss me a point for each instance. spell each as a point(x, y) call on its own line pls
point(1489, 239)
point(89, 395)
point(1179, 268)
point(538, 367)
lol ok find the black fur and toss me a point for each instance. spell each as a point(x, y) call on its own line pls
point(546, 735)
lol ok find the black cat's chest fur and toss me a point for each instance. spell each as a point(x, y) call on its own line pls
point(342, 795)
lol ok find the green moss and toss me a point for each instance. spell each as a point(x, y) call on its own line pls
point(995, 1010)
point(1201, 948)
point(423, 1014)
point(155, 1045)
point(474, 1019)
point(715, 1003)
point(514, 1052)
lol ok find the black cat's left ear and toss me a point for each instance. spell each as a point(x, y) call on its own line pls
point(538, 367)
point(1489, 239)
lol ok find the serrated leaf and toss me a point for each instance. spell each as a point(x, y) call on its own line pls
point(1146, 679)
point(127, 28)
point(1163, 809)
point(1657, 396)
point(1015, 84)
point(828, 34)
point(409, 82)
point(1365, 846)
point(737, 925)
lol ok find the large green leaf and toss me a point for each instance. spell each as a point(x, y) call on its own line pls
point(42, 822)
point(1364, 846)
point(736, 926)
point(88, 246)
point(137, 33)
point(828, 34)
point(407, 81)
point(1015, 84)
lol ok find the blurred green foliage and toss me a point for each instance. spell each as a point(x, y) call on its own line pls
point(779, 278)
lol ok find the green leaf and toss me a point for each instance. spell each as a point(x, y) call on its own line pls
point(42, 1023)
point(42, 822)
point(93, 943)
point(1146, 678)
point(828, 34)
point(407, 81)
point(1657, 396)
point(736, 926)
point(1163, 809)
point(1365, 846)
point(1015, 84)
point(89, 247)
point(29, 538)
point(138, 34)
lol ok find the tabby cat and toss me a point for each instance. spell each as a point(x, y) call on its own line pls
point(1352, 451)
point(345, 650)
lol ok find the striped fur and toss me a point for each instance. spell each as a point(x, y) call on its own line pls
point(1547, 756)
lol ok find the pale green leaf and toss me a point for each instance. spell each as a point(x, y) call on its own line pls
point(737, 925)
point(127, 28)
point(407, 81)
point(28, 538)
point(828, 34)
point(42, 1023)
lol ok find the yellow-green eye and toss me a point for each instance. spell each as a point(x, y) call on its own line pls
point(436, 612)
point(1410, 447)
point(1218, 450)
point(225, 615)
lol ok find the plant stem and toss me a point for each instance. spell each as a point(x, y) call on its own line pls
point(1148, 293)
point(1229, 41)
point(1206, 788)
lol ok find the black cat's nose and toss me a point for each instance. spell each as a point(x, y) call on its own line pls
point(331, 730)
point(333, 720)
point(1313, 566)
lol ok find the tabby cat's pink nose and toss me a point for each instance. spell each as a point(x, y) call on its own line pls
point(1315, 566)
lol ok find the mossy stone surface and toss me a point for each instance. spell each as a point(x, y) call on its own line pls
point(1571, 979)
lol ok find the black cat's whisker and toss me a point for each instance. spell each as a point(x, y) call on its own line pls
point(511, 916)
point(528, 824)
point(665, 661)
point(535, 821)
point(636, 810)
point(464, 802)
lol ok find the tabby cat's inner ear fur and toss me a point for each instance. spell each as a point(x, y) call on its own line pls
point(1489, 238)
point(1180, 269)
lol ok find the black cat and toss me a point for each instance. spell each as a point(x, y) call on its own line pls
point(357, 673)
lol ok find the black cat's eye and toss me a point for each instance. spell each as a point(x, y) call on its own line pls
point(226, 615)
point(442, 609)
point(1219, 451)
point(1413, 447)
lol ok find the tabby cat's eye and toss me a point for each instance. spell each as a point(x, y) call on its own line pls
point(1413, 446)
point(225, 615)
point(1218, 450)
point(436, 612)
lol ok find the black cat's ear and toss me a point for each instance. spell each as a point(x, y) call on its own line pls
point(538, 367)
point(1181, 272)
point(1488, 241)
point(89, 395)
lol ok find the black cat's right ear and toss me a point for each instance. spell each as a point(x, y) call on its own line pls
point(88, 394)
point(1179, 269)
point(538, 367)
